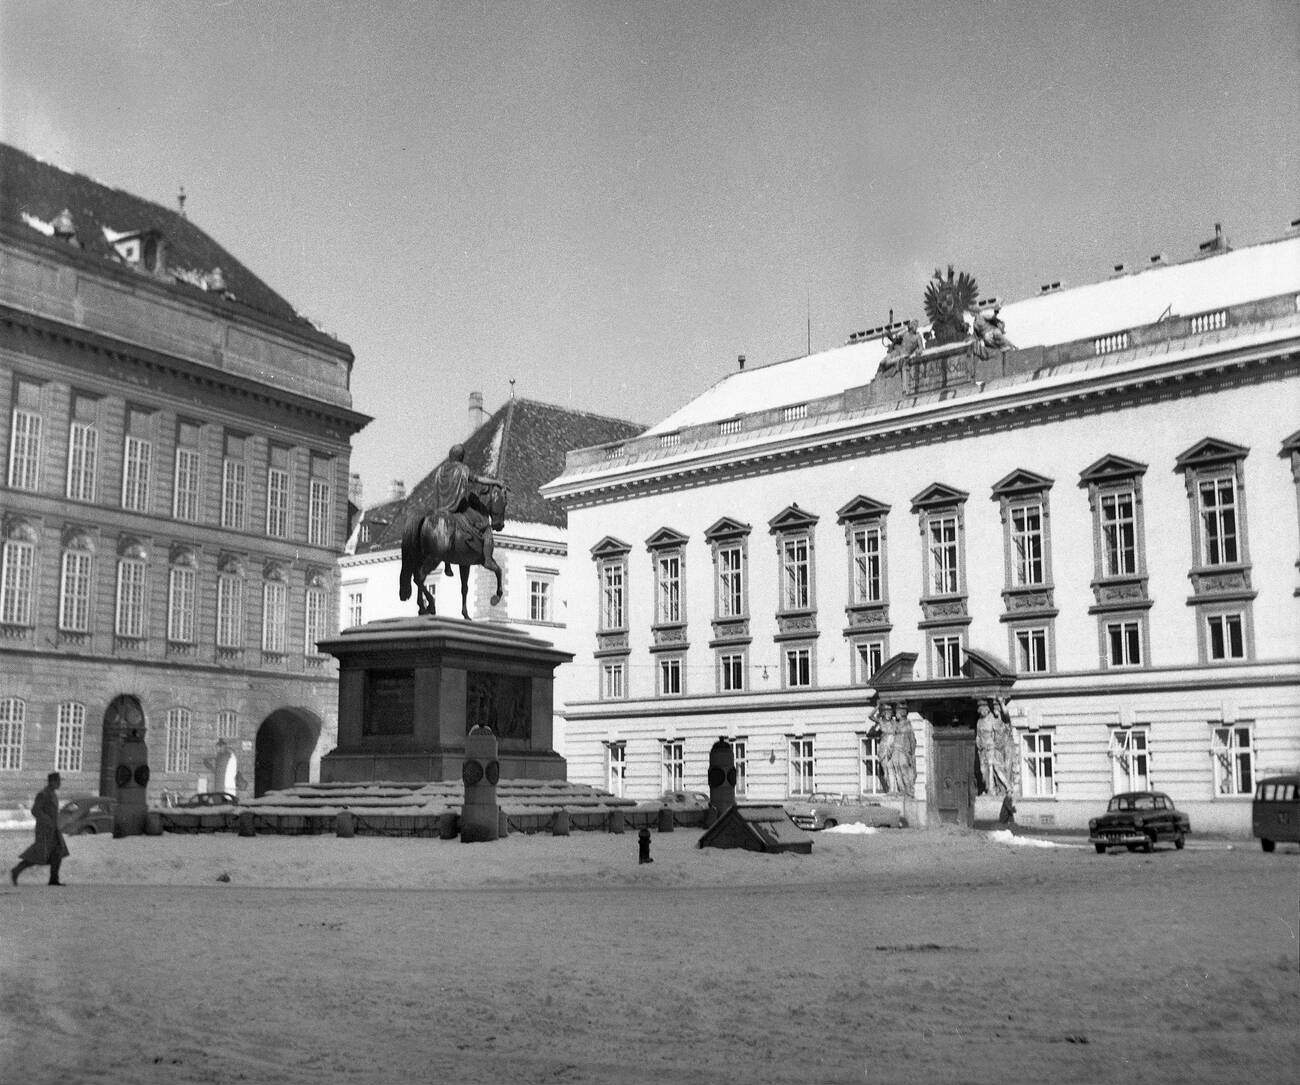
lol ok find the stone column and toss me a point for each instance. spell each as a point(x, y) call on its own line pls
point(479, 816)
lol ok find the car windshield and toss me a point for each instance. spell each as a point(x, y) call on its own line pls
point(1132, 802)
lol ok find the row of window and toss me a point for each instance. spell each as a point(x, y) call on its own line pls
point(139, 477)
point(18, 560)
point(70, 735)
point(1220, 576)
point(1129, 753)
point(541, 597)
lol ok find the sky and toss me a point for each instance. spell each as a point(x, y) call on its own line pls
point(601, 204)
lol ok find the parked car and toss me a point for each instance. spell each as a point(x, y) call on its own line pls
point(1138, 819)
point(826, 809)
point(87, 814)
point(1275, 813)
point(210, 798)
point(685, 800)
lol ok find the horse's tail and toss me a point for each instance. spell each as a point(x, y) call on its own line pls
point(410, 557)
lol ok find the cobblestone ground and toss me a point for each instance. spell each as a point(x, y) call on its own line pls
point(904, 957)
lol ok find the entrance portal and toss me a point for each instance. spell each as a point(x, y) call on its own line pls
point(284, 745)
point(122, 716)
point(953, 784)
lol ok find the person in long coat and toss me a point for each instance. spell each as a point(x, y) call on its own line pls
point(49, 848)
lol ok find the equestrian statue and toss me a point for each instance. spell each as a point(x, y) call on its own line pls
point(467, 508)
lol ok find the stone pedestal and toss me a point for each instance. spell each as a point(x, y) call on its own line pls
point(132, 779)
point(480, 819)
point(411, 689)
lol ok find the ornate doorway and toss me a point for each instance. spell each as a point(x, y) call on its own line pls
point(122, 716)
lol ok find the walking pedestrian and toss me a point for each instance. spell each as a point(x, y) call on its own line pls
point(49, 848)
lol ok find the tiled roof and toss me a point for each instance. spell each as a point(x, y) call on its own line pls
point(523, 444)
point(33, 193)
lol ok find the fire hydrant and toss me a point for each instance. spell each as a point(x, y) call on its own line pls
point(643, 846)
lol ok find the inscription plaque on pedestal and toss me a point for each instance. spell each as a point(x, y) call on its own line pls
point(390, 703)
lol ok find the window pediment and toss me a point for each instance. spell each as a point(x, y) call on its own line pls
point(861, 508)
point(725, 530)
point(20, 528)
point(230, 564)
point(791, 518)
point(666, 538)
point(1021, 482)
point(76, 537)
point(610, 547)
point(130, 547)
point(1211, 452)
point(1111, 469)
point(1290, 446)
point(938, 496)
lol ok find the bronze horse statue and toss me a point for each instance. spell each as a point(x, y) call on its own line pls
point(470, 543)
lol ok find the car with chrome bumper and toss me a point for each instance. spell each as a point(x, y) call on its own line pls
point(1139, 820)
point(827, 809)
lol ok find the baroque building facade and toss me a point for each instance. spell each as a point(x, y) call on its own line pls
point(963, 570)
point(173, 500)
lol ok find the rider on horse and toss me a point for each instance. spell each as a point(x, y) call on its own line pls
point(452, 483)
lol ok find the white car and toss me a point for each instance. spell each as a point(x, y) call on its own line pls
point(826, 809)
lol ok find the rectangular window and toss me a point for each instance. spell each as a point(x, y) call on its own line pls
point(1224, 638)
point(227, 723)
point(1031, 651)
point(1233, 761)
point(798, 668)
point(731, 584)
point(354, 608)
point(796, 574)
point(1027, 545)
point(871, 657)
point(178, 741)
point(731, 672)
point(1218, 498)
point(137, 460)
point(943, 555)
point(74, 592)
point(1124, 641)
point(670, 676)
point(83, 460)
point(275, 617)
point(946, 656)
point(71, 733)
point(740, 751)
point(230, 612)
point(185, 487)
point(539, 597)
point(13, 714)
point(867, 582)
point(801, 765)
point(180, 604)
point(319, 520)
point(873, 773)
point(315, 624)
point(1038, 772)
point(277, 503)
point(1130, 761)
point(234, 485)
point(668, 588)
point(613, 681)
point(616, 768)
point(612, 613)
point(130, 598)
point(1119, 533)
point(17, 562)
point(674, 765)
point(25, 438)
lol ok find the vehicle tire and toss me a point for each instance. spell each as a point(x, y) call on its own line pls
point(1267, 845)
point(1131, 847)
point(1180, 841)
point(829, 823)
point(88, 830)
point(1101, 849)
point(1150, 845)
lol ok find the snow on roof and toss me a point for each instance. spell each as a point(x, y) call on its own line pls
point(1084, 312)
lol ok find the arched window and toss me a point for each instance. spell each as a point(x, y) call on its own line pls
point(18, 574)
point(75, 583)
point(132, 569)
point(13, 716)
point(182, 588)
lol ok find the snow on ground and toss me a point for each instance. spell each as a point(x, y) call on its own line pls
point(890, 956)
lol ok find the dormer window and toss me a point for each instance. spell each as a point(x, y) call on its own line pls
point(140, 249)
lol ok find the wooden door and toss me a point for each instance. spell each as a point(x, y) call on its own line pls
point(954, 776)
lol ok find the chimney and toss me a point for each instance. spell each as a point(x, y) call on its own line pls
point(1218, 243)
point(354, 489)
point(397, 491)
point(740, 360)
point(476, 417)
point(64, 229)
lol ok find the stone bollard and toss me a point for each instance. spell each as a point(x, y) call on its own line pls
point(615, 820)
point(345, 825)
point(503, 823)
point(643, 846)
point(448, 825)
point(480, 820)
point(246, 823)
point(665, 820)
point(132, 779)
point(722, 780)
point(153, 825)
point(560, 823)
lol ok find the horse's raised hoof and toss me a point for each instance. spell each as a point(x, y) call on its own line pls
point(496, 599)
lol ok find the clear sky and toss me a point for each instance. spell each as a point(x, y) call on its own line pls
point(608, 201)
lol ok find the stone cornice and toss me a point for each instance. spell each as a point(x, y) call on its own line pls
point(1071, 388)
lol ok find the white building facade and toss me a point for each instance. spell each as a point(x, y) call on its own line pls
point(1094, 536)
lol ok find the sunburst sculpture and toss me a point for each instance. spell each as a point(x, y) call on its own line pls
point(946, 302)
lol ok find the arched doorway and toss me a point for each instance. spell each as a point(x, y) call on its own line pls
point(122, 716)
point(283, 748)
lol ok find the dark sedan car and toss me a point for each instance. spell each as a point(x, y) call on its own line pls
point(86, 814)
point(1138, 819)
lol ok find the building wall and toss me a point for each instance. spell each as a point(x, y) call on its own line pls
point(1174, 692)
point(128, 342)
